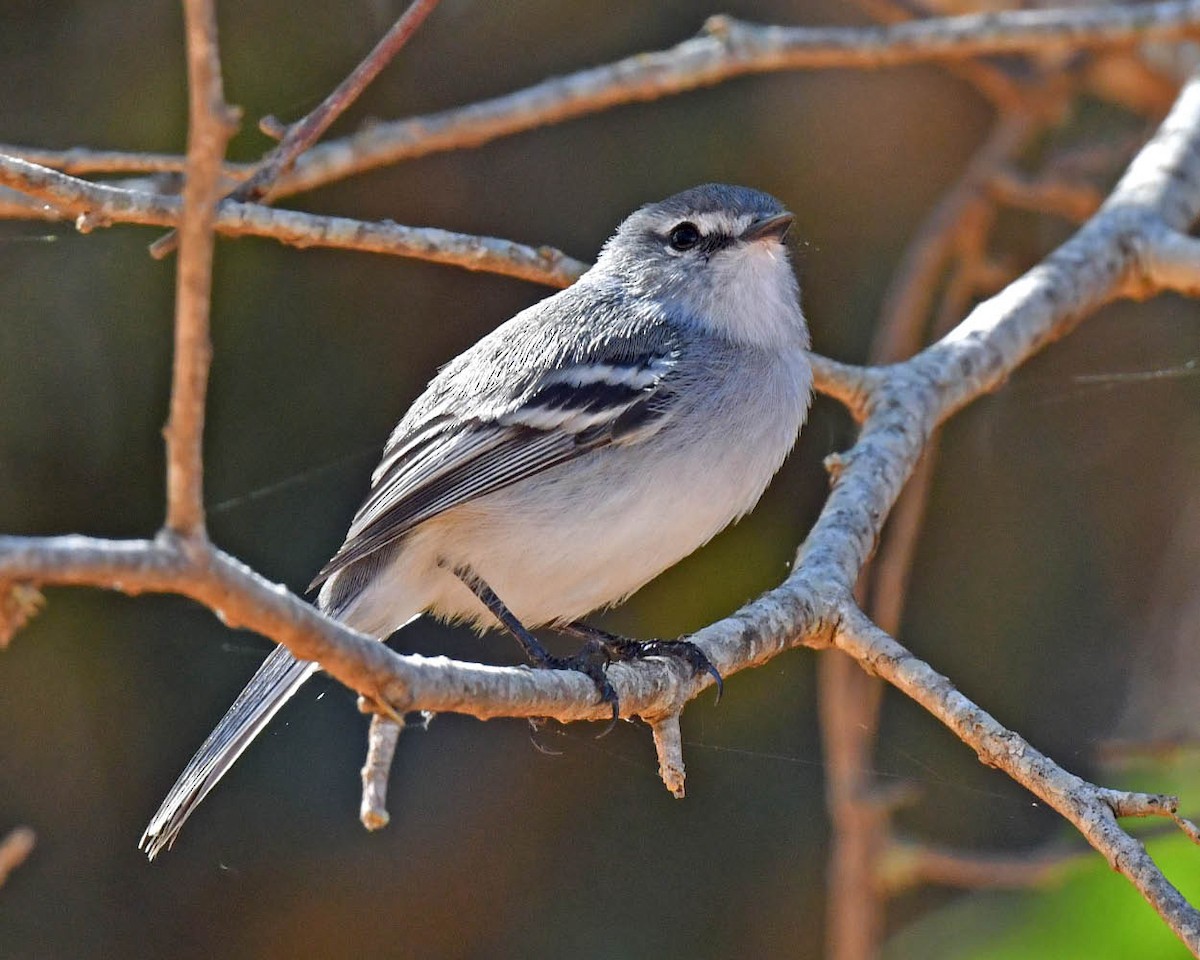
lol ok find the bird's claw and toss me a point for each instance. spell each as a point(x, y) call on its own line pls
point(684, 650)
point(592, 661)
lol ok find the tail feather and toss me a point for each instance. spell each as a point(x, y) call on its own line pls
point(279, 677)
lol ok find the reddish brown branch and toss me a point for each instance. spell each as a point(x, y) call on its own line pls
point(210, 125)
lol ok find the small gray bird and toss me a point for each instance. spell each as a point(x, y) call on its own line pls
point(570, 456)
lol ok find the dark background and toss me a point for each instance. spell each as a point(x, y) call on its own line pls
point(1040, 585)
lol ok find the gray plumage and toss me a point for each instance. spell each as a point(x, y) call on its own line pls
point(573, 454)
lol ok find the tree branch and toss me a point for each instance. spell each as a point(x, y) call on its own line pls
point(1092, 810)
point(99, 205)
point(15, 849)
point(382, 737)
point(210, 125)
point(724, 49)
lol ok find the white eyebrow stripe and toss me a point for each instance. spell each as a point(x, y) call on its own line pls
point(722, 223)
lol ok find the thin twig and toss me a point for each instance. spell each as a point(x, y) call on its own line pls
point(210, 125)
point(305, 132)
point(668, 745)
point(1072, 200)
point(382, 737)
point(907, 865)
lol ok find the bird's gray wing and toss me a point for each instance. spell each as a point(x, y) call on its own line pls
point(615, 394)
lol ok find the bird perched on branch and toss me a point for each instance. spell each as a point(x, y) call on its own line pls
point(583, 447)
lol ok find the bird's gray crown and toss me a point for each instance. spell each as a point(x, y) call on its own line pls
point(717, 203)
point(714, 198)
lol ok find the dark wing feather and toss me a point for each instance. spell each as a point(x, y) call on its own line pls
point(430, 470)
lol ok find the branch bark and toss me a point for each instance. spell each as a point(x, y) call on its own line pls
point(99, 205)
point(210, 125)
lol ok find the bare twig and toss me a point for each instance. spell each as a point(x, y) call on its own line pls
point(80, 161)
point(210, 125)
point(381, 748)
point(305, 132)
point(907, 865)
point(668, 744)
point(15, 849)
point(99, 205)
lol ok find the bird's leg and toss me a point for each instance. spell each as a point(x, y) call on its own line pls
point(624, 649)
point(591, 660)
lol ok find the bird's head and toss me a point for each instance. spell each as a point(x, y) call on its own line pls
point(714, 255)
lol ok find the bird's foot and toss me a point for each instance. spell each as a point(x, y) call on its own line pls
point(624, 650)
point(591, 660)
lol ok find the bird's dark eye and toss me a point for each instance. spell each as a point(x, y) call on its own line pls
point(684, 236)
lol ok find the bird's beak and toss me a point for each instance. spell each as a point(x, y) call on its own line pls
point(768, 228)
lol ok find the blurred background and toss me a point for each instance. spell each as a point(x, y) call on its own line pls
point(1055, 580)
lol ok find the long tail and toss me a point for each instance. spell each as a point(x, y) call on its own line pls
point(280, 676)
